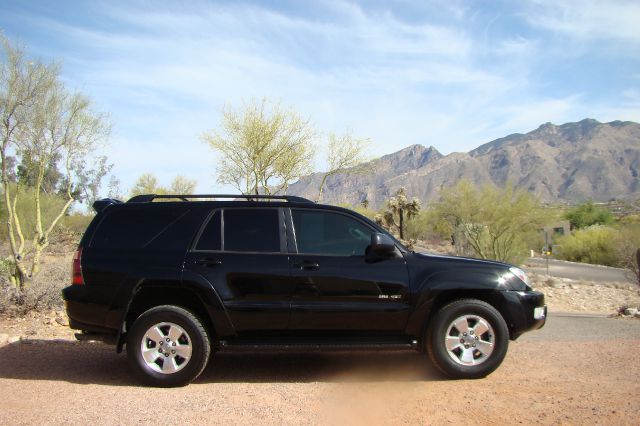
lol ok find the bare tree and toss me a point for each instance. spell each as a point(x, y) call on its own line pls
point(113, 188)
point(345, 153)
point(264, 147)
point(43, 124)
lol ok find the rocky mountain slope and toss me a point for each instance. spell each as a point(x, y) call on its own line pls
point(570, 162)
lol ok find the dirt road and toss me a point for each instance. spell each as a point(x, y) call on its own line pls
point(575, 370)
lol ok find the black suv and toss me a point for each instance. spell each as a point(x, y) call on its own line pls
point(178, 279)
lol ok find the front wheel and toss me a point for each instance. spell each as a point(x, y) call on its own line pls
point(167, 346)
point(468, 339)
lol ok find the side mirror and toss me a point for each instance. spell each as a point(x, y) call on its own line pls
point(382, 245)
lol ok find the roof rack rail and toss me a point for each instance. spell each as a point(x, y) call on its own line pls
point(147, 198)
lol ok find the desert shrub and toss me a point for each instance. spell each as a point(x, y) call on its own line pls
point(42, 294)
point(76, 223)
point(588, 214)
point(68, 233)
point(420, 227)
point(626, 246)
point(595, 244)
point(51, 204)
point(39, 297)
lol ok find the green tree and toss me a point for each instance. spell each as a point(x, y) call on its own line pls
point(345, 153)
point(148, 183)
point(588, 214)
point(264, 147)
point(494, 223)
point(182, 185)
point(51, 132)
point(399, 210)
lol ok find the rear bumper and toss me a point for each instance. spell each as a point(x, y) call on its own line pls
point(83, 314)
point(525, 311)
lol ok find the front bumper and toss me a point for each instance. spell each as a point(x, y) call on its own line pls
point(525, 311)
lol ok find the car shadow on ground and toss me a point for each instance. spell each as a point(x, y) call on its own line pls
point(95, 363)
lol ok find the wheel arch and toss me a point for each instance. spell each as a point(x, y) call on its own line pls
point(495, 298)
point(201, 301)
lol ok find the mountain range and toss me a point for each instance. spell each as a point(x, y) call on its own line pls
point(572, 162)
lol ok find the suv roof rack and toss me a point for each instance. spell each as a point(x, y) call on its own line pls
point(147, 198)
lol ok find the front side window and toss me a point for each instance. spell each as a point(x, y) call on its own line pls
point(329, 233)
point(251, 230)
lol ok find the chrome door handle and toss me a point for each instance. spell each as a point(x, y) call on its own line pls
point(307, 266)
point(208, 262)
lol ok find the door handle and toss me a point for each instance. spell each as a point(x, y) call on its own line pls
point(307, 266)
point(308, 288)
point(208, 262)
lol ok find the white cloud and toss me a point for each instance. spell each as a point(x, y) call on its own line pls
point(164, 72)
point(590, 19)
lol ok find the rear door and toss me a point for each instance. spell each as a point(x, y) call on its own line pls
point(242, 252)
point(338, 287)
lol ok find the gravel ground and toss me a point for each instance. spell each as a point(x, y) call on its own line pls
point(573, 371)
point(566, 295)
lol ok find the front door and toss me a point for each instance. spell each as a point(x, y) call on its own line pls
point(338, 287)
point(241, 253)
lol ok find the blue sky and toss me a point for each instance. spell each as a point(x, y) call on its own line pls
point(452, 74)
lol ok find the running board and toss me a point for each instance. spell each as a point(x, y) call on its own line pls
point(246, 346)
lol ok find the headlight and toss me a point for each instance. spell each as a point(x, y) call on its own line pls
point(520, 274)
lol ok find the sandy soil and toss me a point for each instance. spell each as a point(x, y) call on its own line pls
point(552, 378)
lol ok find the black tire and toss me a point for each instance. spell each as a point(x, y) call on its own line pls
point(442, 328)
point(195, 336)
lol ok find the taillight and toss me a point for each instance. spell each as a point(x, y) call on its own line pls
point(76, 271)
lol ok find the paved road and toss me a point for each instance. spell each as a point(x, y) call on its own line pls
point(577, 271)
point(575, 370)
point(583, 327)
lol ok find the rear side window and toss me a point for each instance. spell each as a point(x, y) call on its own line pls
point(251, 230)
point(211, 235)
point(132, 227)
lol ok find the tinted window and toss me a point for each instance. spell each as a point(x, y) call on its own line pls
point(256, 230)
point(132, 227)
point(210, 238)
point(330, 233)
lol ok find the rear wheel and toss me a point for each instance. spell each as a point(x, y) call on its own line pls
point(167, 346)
point(468, 339)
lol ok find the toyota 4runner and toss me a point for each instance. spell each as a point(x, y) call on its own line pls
point(179, 279)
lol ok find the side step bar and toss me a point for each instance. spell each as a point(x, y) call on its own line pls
point(225, 346)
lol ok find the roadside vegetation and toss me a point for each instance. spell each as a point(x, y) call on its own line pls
point(616, 244)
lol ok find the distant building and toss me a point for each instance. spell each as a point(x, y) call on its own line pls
point(556, 229)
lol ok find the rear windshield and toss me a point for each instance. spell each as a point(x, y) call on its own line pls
point(133, 227)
